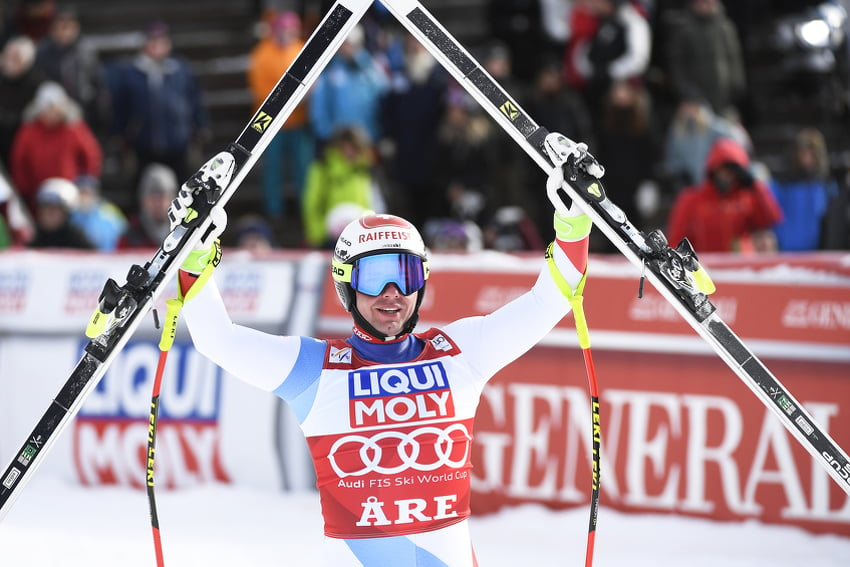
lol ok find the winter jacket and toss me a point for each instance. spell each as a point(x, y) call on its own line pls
point(15, 94)
point(66, 236)
point(268, 61)
point(716, 221)
point(157, 107)
point(347, 93)
point(705, 60)
point(78, 69)
point(333, 181)
point(804, 204)
point(39, 152)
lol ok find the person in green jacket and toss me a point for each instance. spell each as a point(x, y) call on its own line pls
point(340, 186)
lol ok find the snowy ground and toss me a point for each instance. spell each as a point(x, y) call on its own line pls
point(55, 524)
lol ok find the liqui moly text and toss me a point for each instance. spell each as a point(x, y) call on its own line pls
point(400, 394)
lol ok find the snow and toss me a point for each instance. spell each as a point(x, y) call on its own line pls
point(55, 523)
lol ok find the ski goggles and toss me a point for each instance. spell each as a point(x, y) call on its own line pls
point(371, 274)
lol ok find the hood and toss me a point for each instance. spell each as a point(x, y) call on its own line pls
point(726, 151)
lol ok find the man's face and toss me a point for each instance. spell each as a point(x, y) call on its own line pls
point(65, 30)
point(158, 47)
point(389, 311)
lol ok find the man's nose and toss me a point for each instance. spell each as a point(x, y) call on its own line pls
point(391, 289)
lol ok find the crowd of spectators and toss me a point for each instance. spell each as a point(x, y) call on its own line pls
point(386, 128)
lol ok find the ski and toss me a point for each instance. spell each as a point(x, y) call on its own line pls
point(674, 271)
point(121, 308)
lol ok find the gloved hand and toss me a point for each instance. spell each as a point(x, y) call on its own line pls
point(572, 231)
point(182, 210)
point(198, 266)
point(197, 194)
point(567, 154)
point(572, 224)
point(194, 195)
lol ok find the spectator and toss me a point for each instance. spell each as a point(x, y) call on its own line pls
point(560, 109)
point(555, 22)
point(410, 115)
point(53, 141)
point(507, 182)
point(730, 211)
point(255, 235)
point(689, 137)
point(618, 50)
point(291, 150)
point(18, 227)
point(805, 194)
point(452, 235)
point(69, 59)
point(582, 24)
point(348, 92)
point(19, 80)
point(629, 146)
point(511, 230)
point(836, 234)
point(32, 18)
point(57, 199)
point(518, 25)
point(704, 57)
point(341, 176)
point(158, 112)
point(465, 164)
point(149, 227)
point(101, 221)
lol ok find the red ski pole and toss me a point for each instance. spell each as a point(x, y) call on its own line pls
point(577, 302)
point(169, 330)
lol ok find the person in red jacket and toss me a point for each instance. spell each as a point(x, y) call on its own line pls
point(730, 211)
point(53, 141)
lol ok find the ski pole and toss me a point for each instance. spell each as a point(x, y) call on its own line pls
point(577, 302)
point(169, 330)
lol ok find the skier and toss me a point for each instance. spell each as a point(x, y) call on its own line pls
point(387, 413)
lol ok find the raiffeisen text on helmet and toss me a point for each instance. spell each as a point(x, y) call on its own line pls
point(384, 235)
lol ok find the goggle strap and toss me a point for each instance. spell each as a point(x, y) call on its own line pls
point(341, 272)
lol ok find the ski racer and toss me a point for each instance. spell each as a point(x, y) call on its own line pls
point(387, 412)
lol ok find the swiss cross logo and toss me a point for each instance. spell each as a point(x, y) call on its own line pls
point(403, 394)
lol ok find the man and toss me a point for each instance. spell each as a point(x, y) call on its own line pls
point(704, 57)
point(387, 406)
point(157, 106)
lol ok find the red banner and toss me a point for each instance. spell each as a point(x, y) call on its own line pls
point(680, 434)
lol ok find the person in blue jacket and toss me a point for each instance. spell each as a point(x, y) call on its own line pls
point(349, 90)
point(157, 107)
point(804, 194)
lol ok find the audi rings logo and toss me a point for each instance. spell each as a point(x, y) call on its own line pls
point(391, 452)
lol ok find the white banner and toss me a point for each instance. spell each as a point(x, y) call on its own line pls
point(57, 292)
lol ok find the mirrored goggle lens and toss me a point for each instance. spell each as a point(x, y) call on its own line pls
point(371, 274)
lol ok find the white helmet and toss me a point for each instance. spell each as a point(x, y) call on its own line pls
point(362, 262)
